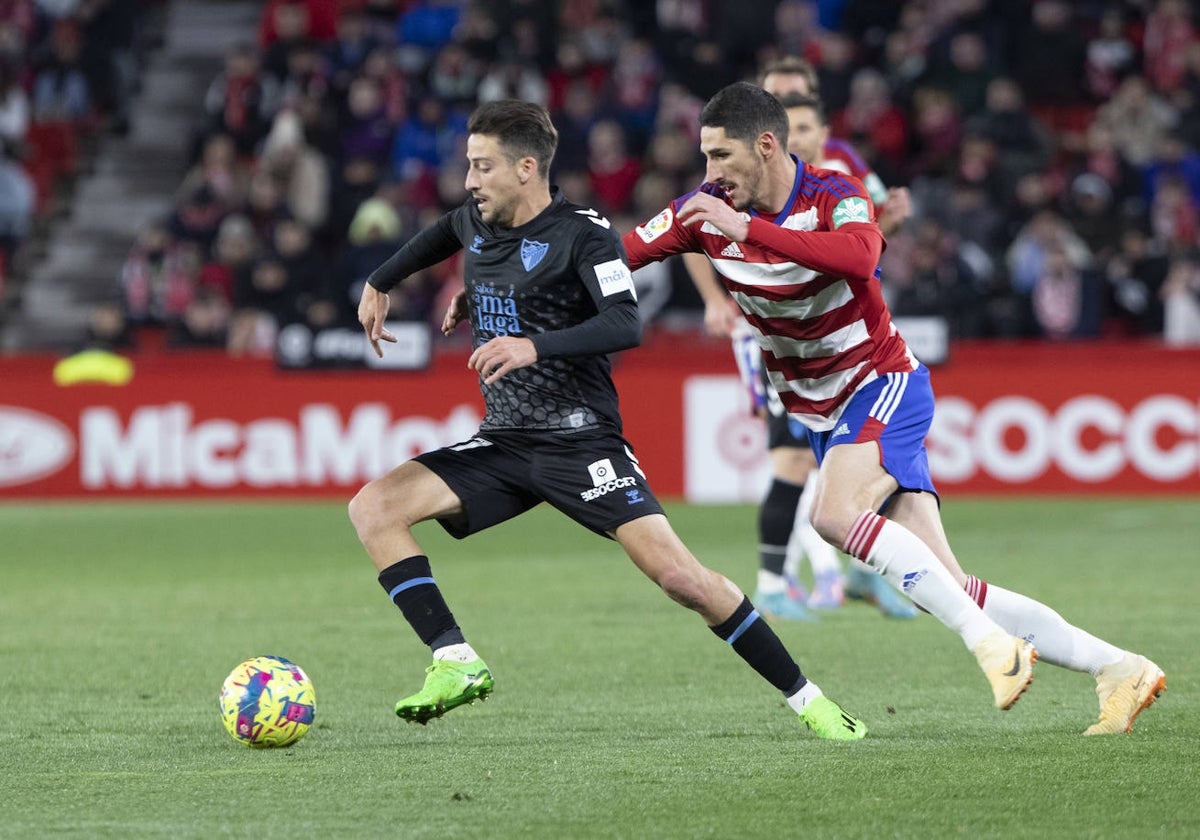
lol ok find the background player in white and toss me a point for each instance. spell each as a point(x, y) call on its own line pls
point(807, 282)
point(548, 294)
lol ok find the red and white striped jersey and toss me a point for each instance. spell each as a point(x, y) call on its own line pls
point(842, 157)
point(807, 281)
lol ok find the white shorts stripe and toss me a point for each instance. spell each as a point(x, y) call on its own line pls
point(889, 398)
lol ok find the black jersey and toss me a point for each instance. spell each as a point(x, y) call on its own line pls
point(539, 281)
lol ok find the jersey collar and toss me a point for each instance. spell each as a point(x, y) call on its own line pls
point(782, 215)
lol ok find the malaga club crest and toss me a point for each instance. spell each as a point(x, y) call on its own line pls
point(532, 253)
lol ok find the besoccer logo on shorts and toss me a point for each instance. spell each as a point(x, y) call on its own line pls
point(604, 480)
point(601, 471)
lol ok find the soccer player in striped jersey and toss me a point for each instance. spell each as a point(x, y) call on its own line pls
point(798, 249)
point(785, 533)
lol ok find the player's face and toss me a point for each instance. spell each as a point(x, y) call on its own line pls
point(806, 134)
point(492, 180)
point(734, 165)
point(781, 84)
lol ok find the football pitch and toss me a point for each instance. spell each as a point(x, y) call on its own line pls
point(616, 713)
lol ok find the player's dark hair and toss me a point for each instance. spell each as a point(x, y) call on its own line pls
point(745, 111)
point(800, 100)
point(793, 65)
point(523, 129)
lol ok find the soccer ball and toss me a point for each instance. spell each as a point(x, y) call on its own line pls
point(267, 701)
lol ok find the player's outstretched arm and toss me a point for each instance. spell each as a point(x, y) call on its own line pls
point(372, 312)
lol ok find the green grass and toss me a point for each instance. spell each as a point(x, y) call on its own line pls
point(616, 713)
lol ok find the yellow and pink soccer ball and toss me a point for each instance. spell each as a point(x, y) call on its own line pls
point(268, 701)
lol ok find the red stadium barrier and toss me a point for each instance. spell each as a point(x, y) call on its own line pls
point(1091, 419)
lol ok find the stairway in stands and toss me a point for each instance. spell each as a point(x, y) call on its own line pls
point(132, 180)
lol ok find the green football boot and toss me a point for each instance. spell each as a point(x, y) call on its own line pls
point(828, 720)
point(448, 685)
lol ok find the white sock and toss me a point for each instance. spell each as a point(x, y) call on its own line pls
point(456, 653)
point(769, 583)
point(1057, 641)
point(911, 566)
point(804, 696)
point(806, 542)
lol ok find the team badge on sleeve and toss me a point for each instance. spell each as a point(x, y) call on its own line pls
point(656, 227)
point(852, 209)
point(613, 277)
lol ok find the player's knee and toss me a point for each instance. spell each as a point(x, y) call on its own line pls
point(685, 587)
point(367, 509)
point(831, 523)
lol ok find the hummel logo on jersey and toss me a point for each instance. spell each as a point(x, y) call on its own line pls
point(843, 429)
point(595, 218)
point(732, 250)
point(475, 243)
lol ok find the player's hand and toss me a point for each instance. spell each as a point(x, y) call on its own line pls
point(703, 207)
point(895, 211)
point(719, 318)
point(456, 312)
point(501, 355)
point(372, 312)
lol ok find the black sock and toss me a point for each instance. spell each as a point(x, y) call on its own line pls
point(755, 641)
point(776, 517)
point(410, 585)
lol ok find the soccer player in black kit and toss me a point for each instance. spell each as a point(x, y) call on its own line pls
point(548, 294)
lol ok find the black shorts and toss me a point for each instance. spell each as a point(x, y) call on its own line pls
point(592, 477)
point(779, 433)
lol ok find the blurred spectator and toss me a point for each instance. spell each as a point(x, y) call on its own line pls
point(1048, 56)
point(265, 203)
point(427, 138)
point(612, 170)
point(220, 171)
point(1173, 215)
point(1022, 144)
point(454, 76)
point(232, 257)
point(1111, 54)
point(1181, 302)
point(314, 19)
point(196, 217)
point(836, 72)
point(1029, 254)
point(872, 121)
point(14, 106)
point(966, 74)
point(512, 79)
point(60, 88)
point(17, 204)
point(939, 281)
point(1169, 34)
point(1135, 275)
point(1065, 298)
point(158, 278)
point(109, 59)
point(357, 180)
point(347, 53)
point(574, 121)
point(241, 100)
point(426, 27)
point(204, 323)
point(366, 131)
point(1137, 119)
point(636, 74)
point(1091, 213)
point(374, 235)
point(301, 170)
point(936, 132)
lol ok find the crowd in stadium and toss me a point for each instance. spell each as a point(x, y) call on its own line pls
point(1051, 148)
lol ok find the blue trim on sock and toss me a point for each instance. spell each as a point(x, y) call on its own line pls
point(409, 584)
point(741, 628)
